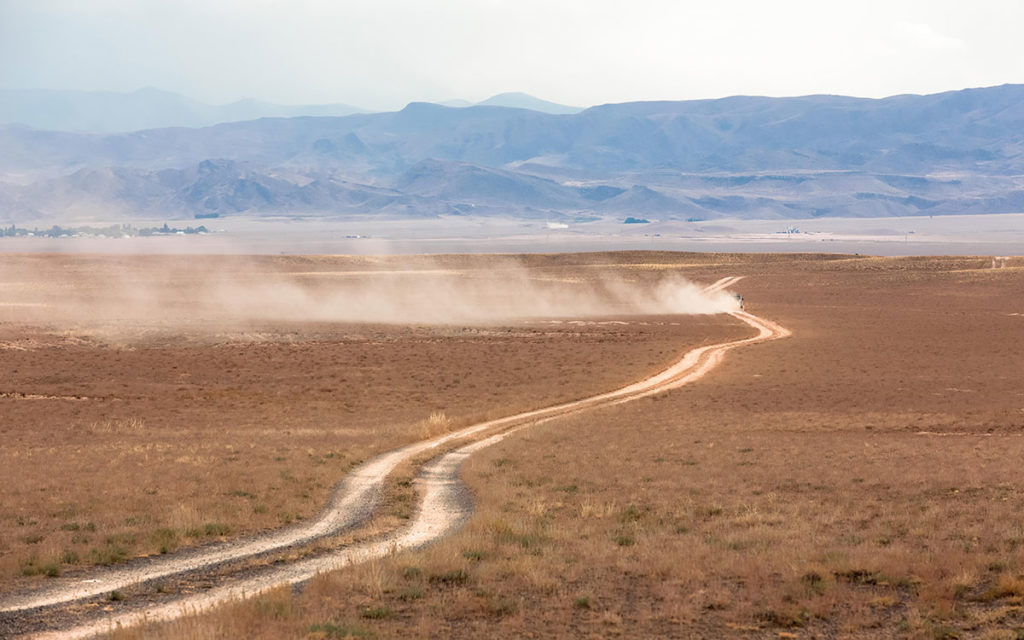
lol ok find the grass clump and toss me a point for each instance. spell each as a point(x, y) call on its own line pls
point(502, 606)
point(1006, 587)
point(631, 514)
point(377, 613)
point(453, 577)
point(34, 567)
point(813, 582)
point(412, 593)
point(108, 554)
point(274, 607)
point(504, 534)
point(945, 632)
point(209, 529)
point(166, 540)
point(125, 425)
point(857, 576)
point(216, 529)
point(121, 539)
point(785, 618)
point(436, 424)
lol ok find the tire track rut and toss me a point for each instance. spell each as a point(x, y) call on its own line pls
point(443, 507)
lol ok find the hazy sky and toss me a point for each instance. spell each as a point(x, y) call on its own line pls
point(382, 54)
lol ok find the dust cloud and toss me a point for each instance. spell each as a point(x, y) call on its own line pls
point(445, 298)
point(183, 295)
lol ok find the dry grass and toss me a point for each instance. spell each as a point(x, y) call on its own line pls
point(121, 426)
point(126, 440)
point(436, 424)
point(860, 480)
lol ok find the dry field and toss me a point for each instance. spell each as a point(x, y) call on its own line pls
point(137, 416)
point(860, 479)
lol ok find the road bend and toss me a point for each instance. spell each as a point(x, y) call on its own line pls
point(441, 507)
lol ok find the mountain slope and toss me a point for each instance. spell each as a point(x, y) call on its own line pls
point(519, 100)
point(955, 152)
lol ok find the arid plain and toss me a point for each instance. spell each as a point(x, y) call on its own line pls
point(861, 478)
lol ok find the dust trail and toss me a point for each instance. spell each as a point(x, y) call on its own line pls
point(503, 294)
point(178, 295)
point(440, 509)
point(351, 503)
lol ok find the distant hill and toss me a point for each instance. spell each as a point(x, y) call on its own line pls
point(739, 157)
point(516, 100)
point(525, 101)
point(108, 112)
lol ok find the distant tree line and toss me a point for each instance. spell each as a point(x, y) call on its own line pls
point(113, 231)
point(164, 230)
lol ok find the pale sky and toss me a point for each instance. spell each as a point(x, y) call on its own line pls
point(382, 54)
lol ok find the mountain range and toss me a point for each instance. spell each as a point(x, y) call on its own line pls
point(744, 157)
point(111, 112)
point(149, 108)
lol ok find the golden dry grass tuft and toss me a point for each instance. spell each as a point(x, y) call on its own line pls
point(438, 423)
point(117, 425)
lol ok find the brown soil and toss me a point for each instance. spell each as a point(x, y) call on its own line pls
point(130, 433)
point(859, 479)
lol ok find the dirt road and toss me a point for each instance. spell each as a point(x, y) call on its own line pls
point(441, 507)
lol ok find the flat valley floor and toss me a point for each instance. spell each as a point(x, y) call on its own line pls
point(861, 478)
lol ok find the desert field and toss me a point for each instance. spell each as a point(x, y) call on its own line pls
point(860, 478)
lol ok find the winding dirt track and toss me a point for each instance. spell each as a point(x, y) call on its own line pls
point(441, 509)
